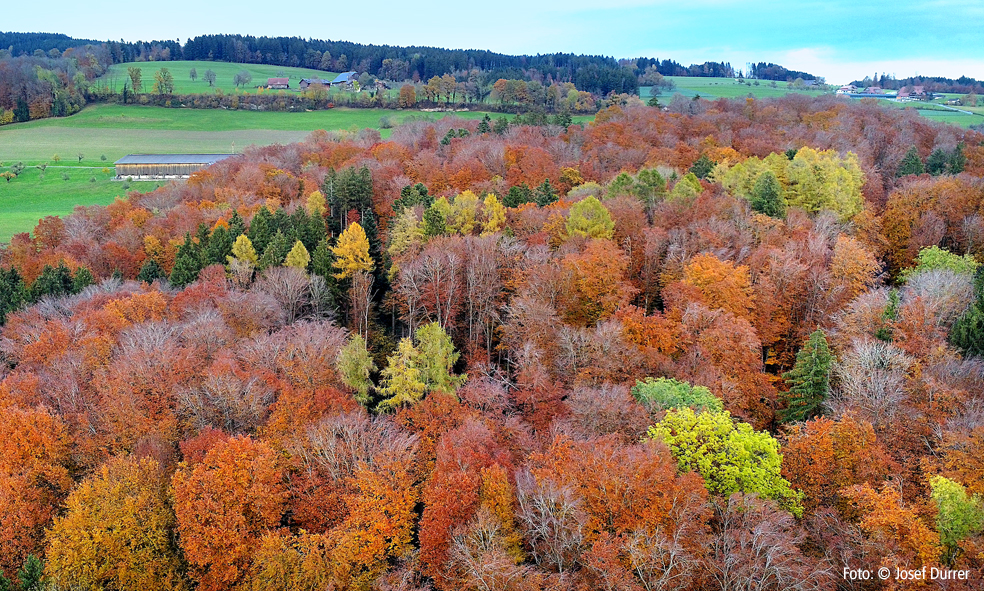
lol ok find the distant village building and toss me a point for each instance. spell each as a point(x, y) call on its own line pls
point(345, 78)
point(911, 93)
point(306, 82)
point(164, 166)
point(847, 89)
point(278, 84)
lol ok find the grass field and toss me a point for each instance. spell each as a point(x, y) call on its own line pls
point(28, 198)
point(224, 73)
point(114, 131)
point(714, 88)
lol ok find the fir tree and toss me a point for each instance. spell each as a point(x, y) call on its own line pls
point(485, 125)
point(703, 167)
point(767, 196)
point(187, 264)
point(276, 251)
point(938, 162)
point(435, 224)
point(13, 292)
point(83, 279)
point(545, 194)
point(219, 247)
point(150, 272)
point(911, 164)
point(260, 231)
point(809, 380)
point(411, 196)
point(31, 575)
point(518, 195)
point(237, 226)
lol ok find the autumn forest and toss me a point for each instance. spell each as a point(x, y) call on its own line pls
point(732, 345)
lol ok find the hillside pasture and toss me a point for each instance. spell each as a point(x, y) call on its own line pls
point(714, 88)
point(224, 76)
point(29, 197)
point(114, 131)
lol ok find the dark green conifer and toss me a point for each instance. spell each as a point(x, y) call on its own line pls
point(150, 272)
point(809, 381)
point(703, 167)
point(545, 194)
point(276, 251)
point(187, 263)
point(767, 196)
point(83, 279)
point(518, 195)
point(434, 222)
point(911, 164)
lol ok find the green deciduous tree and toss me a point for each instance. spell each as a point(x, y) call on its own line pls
point(163, 82)
point(437, 359)
point(731, 457)
point(665, 394)
point(590, 218)
point(959, 515)
point(402, 380)
point(809, 380)
point(355, 365)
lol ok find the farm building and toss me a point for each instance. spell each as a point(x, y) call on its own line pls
point(164, 166)
point(278, 83)
point(345, 78)
point(305, 82)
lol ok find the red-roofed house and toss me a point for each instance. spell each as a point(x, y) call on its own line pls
point(278, 83)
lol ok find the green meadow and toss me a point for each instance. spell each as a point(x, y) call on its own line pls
point(33, 195)
point(714, 88)
point(224, 76)
point(113, 131)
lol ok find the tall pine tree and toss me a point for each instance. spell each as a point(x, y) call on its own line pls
point(809, 380)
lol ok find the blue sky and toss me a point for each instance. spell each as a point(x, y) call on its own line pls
point(839, 39)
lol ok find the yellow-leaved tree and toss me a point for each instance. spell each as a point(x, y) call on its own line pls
point(117, 531)
point(352, 252)
point(495, 215)
point(242, 250)
point(298, 257)
point(316, 205)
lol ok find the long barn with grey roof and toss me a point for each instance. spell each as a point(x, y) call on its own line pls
point(164, 166)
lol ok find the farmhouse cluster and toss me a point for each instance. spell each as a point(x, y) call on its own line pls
point(345, 79)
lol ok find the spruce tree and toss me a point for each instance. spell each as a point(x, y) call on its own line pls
point(545, 194)
point(703, 167)
point(13, 293)
point(435, 224)
point(809, 380)
point(957, 160)
point(150, 272)
point(237, 225)
point(518, 195)
point(911, 164)
point(260, 231)
point(938, 162)
point(276, 251)
point(967, 333)
point(219, 247)
point(187, 264)
point(83, 279)
point(767, 196)
point(31, 575)
point(53, 281)
point(484, 126)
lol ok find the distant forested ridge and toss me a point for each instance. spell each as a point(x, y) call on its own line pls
point(962, 85)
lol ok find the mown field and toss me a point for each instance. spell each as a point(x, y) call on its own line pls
point(224, 75)
point(114, 131)
point(713, 88)
point(31, 196)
